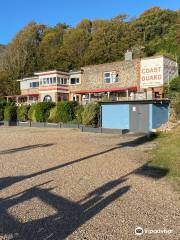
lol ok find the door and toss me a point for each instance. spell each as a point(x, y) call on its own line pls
point(139, 118)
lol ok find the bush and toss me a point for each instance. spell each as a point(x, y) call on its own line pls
point(90, 115)
point(22, 113)
point(78, 113)
point(1, 114)
point(42, 111)
point(3, 103)
point(177, 106)
point(31, 113)
point(53, 115)
point(66, 111)
point(10, 113)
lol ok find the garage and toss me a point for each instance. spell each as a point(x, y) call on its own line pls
point(136, 116)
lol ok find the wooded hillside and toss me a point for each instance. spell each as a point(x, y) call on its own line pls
point(39, 47)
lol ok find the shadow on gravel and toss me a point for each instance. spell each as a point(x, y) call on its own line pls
point(25, 148)
point(149, 171)
point(69, 215)
point(144, 170)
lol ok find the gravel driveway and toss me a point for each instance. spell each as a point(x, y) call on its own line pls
point(63, 184)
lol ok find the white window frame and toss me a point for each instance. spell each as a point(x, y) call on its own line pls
point(75, 81)
point(111, 77)
point(105, 78)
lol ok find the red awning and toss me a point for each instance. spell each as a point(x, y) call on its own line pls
point(29, 95)
point(99, 90)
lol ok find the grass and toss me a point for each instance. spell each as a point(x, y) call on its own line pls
point(167, 153)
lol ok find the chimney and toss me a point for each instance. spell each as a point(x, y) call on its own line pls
point(128, 56)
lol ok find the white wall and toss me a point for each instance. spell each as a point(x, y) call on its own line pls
point(156, 71)
point(25, 83)
point(151, 72)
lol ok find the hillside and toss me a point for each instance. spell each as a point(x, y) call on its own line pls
point(39, 47)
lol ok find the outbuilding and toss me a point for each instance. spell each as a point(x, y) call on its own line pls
point(140, 116)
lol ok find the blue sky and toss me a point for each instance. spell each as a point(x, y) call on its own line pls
point(15, 14)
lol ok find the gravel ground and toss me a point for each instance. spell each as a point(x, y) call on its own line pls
point(63, 184)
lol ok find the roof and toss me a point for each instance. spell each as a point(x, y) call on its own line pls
point(99, 90)
point(51, 72)
point(153, 101)
point(26, 79)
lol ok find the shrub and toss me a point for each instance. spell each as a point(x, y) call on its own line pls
point(90, 115)
point(1, 114)
point(177, 106)
point(31, 113)
point(78, 113)
point(42, 111)
point(3, 103)
point(10, 113)
point(66, 111)
point(53, 115)
point(22, 113)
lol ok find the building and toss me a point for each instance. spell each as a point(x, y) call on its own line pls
point(131, 79)
point(140, 116)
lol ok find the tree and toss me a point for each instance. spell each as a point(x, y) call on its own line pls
point(71, 54)
point(52, 40)
point(22, 57)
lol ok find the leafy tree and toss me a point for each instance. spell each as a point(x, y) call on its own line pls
point(52, 40)
point(38, 47)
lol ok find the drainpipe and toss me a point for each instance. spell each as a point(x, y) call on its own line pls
point(89, 97)
point(127, 94)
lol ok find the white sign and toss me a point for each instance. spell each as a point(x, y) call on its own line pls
point(151, 72)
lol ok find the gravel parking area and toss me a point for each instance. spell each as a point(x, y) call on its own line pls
point(64, 184)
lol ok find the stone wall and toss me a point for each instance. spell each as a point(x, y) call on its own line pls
point(93, 76)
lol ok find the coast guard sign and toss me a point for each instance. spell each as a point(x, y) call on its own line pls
point(151, 72)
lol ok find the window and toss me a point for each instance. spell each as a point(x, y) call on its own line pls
point(65, 80)
point(47, 98)
point(34, 84)
point(114, 77)
point(54, 79)
point(74, 81)
point(107, 77)
point(58, 80)
point(44, 81)
point(47, 81)
point(111, 77)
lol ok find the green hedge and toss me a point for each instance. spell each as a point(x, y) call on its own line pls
point(177, 106)
point(90, 115)
point(78, 113)
point(66, 111)
point(31, 113)
point(53, 115)
point(3, 103)
point(10, 113)
point(22, 113)
point(42, 111)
